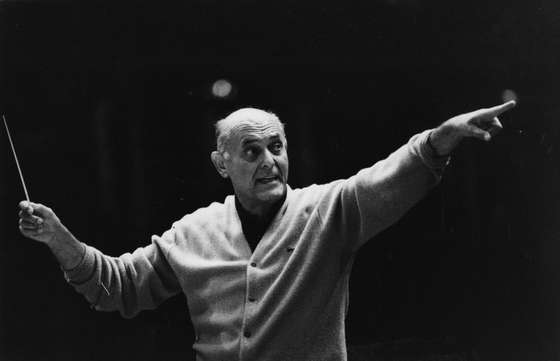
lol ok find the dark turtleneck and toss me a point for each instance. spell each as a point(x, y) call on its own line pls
point(254, 226)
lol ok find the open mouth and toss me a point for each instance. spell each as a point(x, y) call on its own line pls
point(267, 180)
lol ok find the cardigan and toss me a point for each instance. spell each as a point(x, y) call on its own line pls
point(288, 299)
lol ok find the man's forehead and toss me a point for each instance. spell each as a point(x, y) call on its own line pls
point(255, 123)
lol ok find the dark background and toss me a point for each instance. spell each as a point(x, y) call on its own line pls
point(111, 111)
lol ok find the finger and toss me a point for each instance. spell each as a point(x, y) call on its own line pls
point(26, 206)
point(478, 133)
point(495, 126)
point(36, 208)
point(499, 109)
point(31, 223)
point(496, 123)
point(30, 218)
point(23, 230)
point(30, 232)
point(25, 215)
point(29, 226)
point(42, 210)
point(26, 225)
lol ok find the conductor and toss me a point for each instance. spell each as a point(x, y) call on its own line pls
point(266, 271)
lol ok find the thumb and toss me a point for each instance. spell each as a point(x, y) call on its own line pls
point(480, 133)
point(26, 207)
point(35, 208)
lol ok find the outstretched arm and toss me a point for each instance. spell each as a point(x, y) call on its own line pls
point(378, 196)
point(129, 283)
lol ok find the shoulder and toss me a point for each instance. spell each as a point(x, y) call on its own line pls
point(312, 194)
point(210, 216)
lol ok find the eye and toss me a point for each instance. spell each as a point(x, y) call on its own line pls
point(251, 153)
point(276, 147)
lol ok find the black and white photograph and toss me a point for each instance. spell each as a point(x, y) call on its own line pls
point(211, 180)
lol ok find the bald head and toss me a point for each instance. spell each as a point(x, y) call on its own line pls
point(252, 153)
point(241, 118)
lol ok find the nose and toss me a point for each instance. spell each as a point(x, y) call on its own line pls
point(268, 159)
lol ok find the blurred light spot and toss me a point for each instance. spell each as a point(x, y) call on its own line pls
point(508, 95)
point(221, 88)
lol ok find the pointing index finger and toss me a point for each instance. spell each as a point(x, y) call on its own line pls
point(499, 109)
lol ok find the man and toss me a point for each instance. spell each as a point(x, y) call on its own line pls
point(265, 272)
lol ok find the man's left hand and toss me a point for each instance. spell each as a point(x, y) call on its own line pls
point(482, 124)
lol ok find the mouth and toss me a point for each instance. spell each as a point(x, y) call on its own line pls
point(267, 180)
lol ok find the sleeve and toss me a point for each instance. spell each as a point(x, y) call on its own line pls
point(129, 283)
point(358, 208)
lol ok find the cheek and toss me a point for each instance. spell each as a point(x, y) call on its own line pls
point(283, 165)
point(284, 161)
point(242, 173)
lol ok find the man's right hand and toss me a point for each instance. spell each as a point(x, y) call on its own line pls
point(38, 222)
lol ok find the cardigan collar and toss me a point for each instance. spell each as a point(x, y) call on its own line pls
point(254, 226)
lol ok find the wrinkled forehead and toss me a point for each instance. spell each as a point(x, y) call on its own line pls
point(252, 123)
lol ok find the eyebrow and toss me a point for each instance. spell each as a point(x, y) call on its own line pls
point(253, 139)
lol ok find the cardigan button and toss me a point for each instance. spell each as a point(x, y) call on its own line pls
point(247, 334)
point(252, 299)
point(253, 264)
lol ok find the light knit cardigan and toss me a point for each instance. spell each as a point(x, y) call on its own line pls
point(286, 301)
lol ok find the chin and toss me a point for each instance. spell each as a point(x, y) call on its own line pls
point(272, 195)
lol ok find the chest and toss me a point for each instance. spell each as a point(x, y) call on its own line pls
point(216, 263)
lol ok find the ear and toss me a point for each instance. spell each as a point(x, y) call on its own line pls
point(219, 163)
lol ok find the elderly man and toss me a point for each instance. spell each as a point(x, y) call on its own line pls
point(265, 272)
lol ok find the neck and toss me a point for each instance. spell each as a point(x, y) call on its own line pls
point(260, 209)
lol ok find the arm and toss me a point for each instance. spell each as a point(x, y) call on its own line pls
point(365, 204)
point(376, 197)
point(129, 283)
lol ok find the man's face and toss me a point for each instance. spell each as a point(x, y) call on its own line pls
point(257, 160)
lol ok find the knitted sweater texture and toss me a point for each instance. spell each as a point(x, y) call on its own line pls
point(288, 299)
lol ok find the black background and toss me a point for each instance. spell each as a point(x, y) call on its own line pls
point(111, 111)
